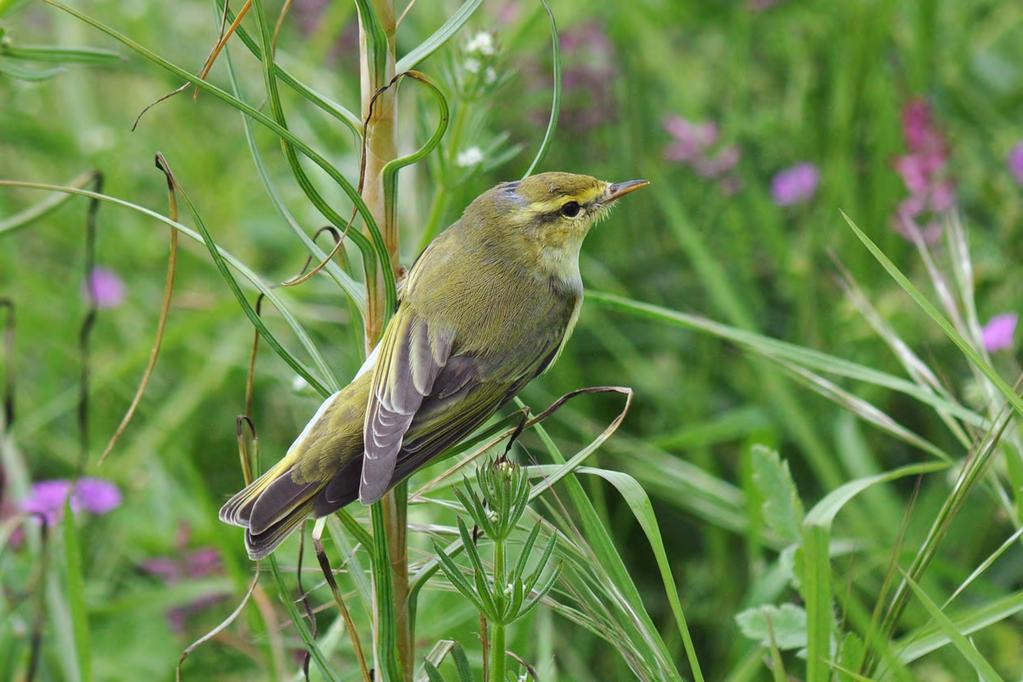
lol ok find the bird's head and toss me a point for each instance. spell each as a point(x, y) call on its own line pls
point(548, 213)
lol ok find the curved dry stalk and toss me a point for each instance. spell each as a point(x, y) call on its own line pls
point(9, 383)
point(243, 445)
point(303, 598)
point(304, 276)
point(85, 331)
point(218, 629)
point(224, 37)
point(280, 23)
point(207, 65)
point(161, 325)
point(328, 573)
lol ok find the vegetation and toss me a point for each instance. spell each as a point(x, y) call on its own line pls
point(809, 463)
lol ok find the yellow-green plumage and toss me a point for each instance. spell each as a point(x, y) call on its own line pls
point(485, 309)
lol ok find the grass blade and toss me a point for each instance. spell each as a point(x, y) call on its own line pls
point(76, 594)
point(965, 346)
point(442, 35)
point(552, 122)
point(958, 639)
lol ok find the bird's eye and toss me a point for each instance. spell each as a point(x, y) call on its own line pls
point(570, 210)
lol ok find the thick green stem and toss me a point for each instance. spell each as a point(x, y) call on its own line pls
point(497, 645)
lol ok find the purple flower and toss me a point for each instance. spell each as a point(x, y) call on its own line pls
point(692, 145)
point(691, 140)
point(105, 286)
point(998, 332)
point(1016, 162)
point(182, 567)
point(93, 495)
point(924, 172)
point(97, 496)
point(47, 499)
point(587, 78)
point(795, 185)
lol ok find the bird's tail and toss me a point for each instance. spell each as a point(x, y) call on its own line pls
point(270, 508)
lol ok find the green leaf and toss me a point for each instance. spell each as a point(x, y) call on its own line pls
point(284, 596)
point(788, 623)
point(15, 69)
point(815, 585)
point(552, 122)
point(63, 55)
point(850, 655)
point(461, 663)
point(439, 37)
point(254, 318)
point(432, 673)
point(958, 639)
point(824, 512)
point(639, 504)
point(783, 510)
point(76, 594)
point(771, 348)
point(931, 638)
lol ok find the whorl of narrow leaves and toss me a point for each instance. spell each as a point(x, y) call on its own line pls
point(496, 505)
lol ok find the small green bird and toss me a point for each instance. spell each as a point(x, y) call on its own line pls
point(487, 307)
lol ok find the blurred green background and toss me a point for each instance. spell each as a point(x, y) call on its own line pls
point(718, 234)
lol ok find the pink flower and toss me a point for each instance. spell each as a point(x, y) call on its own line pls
point(692, 145)
point(923, 171)
point(795, 185)
point(92, 495)
point(1016, 162)
point(692, 140)
point(998, 332)
point(97, 496)
point(588, 77)
point(185, 566)
point(105, 286)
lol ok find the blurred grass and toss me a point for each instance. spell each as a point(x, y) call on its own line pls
point(814, 81)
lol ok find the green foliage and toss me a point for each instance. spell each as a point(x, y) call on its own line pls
point(746, 329)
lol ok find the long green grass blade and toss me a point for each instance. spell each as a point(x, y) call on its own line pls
point(342, 114)
point(642, 509)
point(774, 348)
point(331, 385)
point(965, 346)
point(439, 37)
point(76, 595)
point(931, 637)
point(552, 122)
point(958, 639)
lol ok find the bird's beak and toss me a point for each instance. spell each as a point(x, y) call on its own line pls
point(617, 190)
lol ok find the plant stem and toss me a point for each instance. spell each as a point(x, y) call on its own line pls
point(379, 112)
point(497, 645)
point(380, 116)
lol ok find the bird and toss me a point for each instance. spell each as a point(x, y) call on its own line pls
point(487, 306)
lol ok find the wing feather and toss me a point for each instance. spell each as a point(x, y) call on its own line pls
point(411, 358)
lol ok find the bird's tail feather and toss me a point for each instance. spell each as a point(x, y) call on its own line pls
point(259, 545)
point(238, 509)
point(270, 508)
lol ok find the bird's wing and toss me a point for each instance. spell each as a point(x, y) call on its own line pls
point(412, 355)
